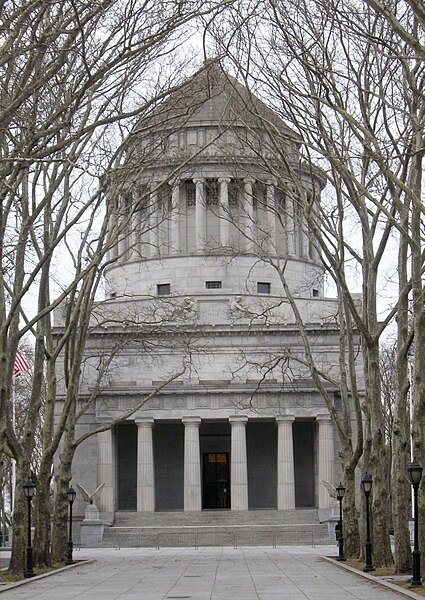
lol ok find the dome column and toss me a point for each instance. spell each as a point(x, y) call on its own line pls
point(304, 232)
point(238, 464)
point(271, 217)
point(200, 215)
point(136, 227)
point(153, 224)
point(290, 224)
point(123, 231)
point(248, 215)
point(175, 218)
point(224, 214)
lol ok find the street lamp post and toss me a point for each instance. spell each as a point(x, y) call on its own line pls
point(340, 491)
point(71, 493)
point(367, 488)
point(29, 490)
point(414, 472)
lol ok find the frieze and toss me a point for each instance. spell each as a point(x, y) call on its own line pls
point(257, 401)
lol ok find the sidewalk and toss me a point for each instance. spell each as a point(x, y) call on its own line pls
point(249, 573)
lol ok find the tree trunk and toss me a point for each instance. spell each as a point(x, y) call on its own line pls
point(42, 556)
point(20, 524)
point(351, 524)
point(400, 497)
point(382, 554)
point(401, 422)
point(60, 513)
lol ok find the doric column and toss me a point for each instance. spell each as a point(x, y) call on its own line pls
point(145, 467)
point(271, 217)
point(114, 252)
point(153, 224)
point(238, 464)
point(123, 232)
point(290, 224)
point(248, 215)
point(105, 471)
point(224, 212)
point(305, 240)
point(315, 251)
point(315, 248)
point(109, 255)
point(192, 464)
point(326, 458)
point(135, 233)
point(141, 228)
point(175, 218)
point(200, 214)
point(285, 464)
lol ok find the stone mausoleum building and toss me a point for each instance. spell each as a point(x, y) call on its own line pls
point(209, 216)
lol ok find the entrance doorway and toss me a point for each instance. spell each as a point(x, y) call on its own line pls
point(126, 444)
point(216, 480)
point(304, 444)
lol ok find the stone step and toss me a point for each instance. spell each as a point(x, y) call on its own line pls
point(216, 518)
point(216, 528)
point(232, 535)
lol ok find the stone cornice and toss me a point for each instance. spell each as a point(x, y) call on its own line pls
point(196, 389)
point(210, 331)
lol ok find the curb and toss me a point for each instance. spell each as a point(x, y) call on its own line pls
point(373, 578)
point(5, 587)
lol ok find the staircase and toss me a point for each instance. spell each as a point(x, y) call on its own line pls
point(216, 528)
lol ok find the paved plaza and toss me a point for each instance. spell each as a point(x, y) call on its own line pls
point(249, 573)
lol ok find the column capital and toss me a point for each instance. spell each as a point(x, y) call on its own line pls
point(144, 421)
point(224, 179)
point(173, 183)
point(250, 180)
point(104, 420)
point(324, 417)
point(198, 180)
point(285, 419)
point(194, 421)
point(235, 419)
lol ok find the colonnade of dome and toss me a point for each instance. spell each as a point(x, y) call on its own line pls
point(216, 215)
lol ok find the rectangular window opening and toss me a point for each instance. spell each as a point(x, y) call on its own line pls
point(213, 285)
point(263, 287)
point(163, 289)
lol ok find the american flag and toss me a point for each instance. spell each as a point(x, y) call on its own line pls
point(20, 365)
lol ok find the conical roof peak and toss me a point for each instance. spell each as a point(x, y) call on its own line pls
point(213, 97)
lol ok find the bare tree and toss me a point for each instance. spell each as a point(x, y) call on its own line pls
point(342, 77)
point(73, 82)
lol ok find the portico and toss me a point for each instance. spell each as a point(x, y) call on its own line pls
point(232, 463)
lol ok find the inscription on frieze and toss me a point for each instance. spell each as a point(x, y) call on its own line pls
point(212, 312)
